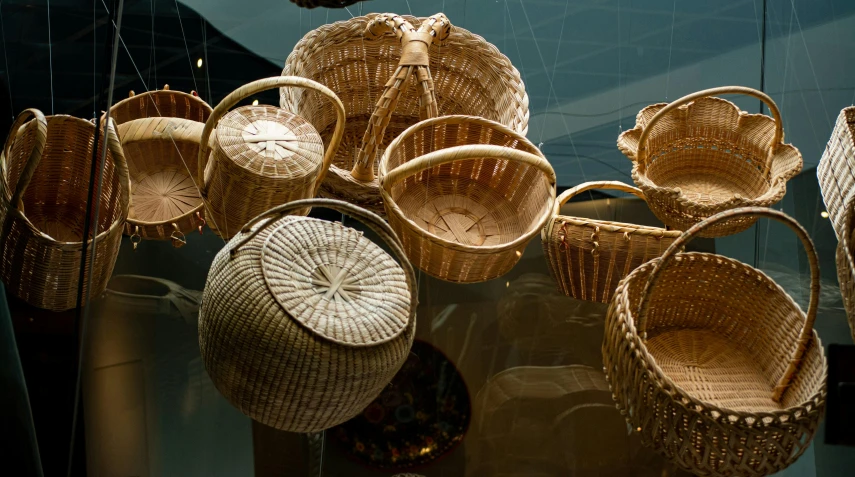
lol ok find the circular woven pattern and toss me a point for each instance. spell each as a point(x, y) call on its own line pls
point(336, 282)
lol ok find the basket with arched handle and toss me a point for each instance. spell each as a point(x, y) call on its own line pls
point(465, 195)
point(47, 162)
point(588, 257)
point(713, 363)
point(454, 71)
point(303, 322)
point(262, 156)
point(701, 155)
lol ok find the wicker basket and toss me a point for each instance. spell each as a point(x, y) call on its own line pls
point(46, 168)
point(845, 263)
point(836, 169)
point(262, 156)
point(465, 195)
point(160, 133)
point(355, 58)
point(304, 322)
point(588, 257)
point(701, 155)
point(717, 368)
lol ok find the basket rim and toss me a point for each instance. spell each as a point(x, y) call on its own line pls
point(617, 227)
point(644, 358)
point(157, 92)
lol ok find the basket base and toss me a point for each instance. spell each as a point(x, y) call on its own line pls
point(163, 195)
point(710, 190)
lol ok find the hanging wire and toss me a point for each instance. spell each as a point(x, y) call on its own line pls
point(670, 49)
point(619, 78)
point(189, 60)
point(6, 59)
point(554, 67)
point(50, 57)
point(810, 62)
point(207, 65)
point(153, 56)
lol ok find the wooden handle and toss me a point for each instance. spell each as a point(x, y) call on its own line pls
point(35, 154)
point(807, 330)
point(773, 108)
point(256, 87)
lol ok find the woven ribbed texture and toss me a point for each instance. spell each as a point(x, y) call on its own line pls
point(845, 263)
point(160, 132)
point(465, 195)
point(45, 183)
point(262, 156)
point(713, 363)
point(465, 75)
point(836, 169)
point(701, 155)
point(588, 257)
point(303, 322)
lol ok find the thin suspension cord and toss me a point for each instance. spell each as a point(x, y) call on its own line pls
point(50, 57)
point(207, 65)
point(186, 48)
point(6, 59)
point(670, 49)
point(554, 67)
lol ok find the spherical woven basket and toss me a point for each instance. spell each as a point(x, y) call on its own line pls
point(262, 156)
point(713, 363)
point(46, 166)
point(846, 265)
point(701, 155)
point(836, 170)
point(465, 195)
point(160, 133)
point(392, 71)
point(304, 322)
point(588, 257)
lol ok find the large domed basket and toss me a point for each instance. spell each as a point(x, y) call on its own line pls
point(303, 322)
point(390, 72)
point(713, 363)
point(160, 133)
point(701, 155)
point(846, 264)
point(836, 169)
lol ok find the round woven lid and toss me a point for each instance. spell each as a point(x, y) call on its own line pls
point(335, 282)
point(271, 142)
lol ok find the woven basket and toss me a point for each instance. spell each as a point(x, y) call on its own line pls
point(262, 156)
point(588, 257)
point(458, 73)
point(701, 155)
point(47, 163)
point(465, 195)
point(304, 322)
point(836, 169)
point(160, 133)
point(846, 265)
point(717, 368)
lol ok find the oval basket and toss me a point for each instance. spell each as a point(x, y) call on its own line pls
point(588, 257)
point(304, 322)
point(364, 62)
point(262, 156)
point(845, 264)
point(160, 133)
point(46, 166)
point(836, 170)
point(701, 155)
point(713, 363)
point(465, 195)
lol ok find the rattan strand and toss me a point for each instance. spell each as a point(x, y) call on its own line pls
point(160, 132)
point(701, 155)
point(469, 76)
point(465, 195)
point(304, 322)
point(46, 169)
point(845, 263)
point(836, 170)
point(262, 156)
point(716, 366)
point(588, 257)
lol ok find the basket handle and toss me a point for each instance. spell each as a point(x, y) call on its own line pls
point(415, 58)
point(584, 187)
point(773, 108)
point(457, 153)
point(35, 153)
point(806, 333)
point(256, 87)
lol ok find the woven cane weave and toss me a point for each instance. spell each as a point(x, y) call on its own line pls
point(261, 156)
point(701, 155)
point(304, 322)
point(465, 195)
point(47, 163)
point(836, 169)
point(588, 257)
point(846, 265)
point(160, 133)
point(713, 363)
point(387, 81)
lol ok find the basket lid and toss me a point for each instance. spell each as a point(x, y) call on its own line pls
point(271, 142)
point(336, 282)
